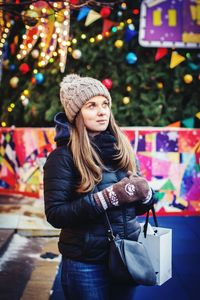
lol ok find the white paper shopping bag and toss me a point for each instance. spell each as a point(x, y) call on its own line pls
point(158, 243)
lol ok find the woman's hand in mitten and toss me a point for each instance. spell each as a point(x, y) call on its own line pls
point(116, 194)
point(125, 191)
point(143, 189)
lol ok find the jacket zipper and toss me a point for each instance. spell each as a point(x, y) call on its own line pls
point(124, 221)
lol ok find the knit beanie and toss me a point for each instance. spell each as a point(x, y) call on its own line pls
point(75, 91)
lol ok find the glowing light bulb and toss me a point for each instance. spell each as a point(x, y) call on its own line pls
point(129, 21)
point(92, 40)
point(99, 37)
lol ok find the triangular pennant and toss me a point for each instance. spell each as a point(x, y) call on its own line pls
point(83, 13)
point(129, 34)
point(175, 124)
point(92, 17)
point(176, 59)
point(198, 115)
point(160, 53)
point(189, 123)
point(107, 24)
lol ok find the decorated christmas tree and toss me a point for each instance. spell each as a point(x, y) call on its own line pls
point(40, 43)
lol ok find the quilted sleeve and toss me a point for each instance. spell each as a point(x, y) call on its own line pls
point(62, 208)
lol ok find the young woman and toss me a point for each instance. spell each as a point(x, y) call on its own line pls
point(92, 170)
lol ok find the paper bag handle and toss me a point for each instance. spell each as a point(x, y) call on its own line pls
point(147, 220)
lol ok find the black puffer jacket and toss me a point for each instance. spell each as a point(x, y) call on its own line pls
point(83, 234)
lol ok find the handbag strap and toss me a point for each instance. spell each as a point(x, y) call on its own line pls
point(110, 233)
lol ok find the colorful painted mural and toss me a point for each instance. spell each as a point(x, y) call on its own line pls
point(169, 158)
point(22, 155)
point(170, 23)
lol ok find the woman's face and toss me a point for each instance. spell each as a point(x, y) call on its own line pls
point(96, 114)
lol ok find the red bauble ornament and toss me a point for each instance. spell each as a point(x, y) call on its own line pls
point(108, 83)
point(136, 11)
point(24, 68)
point(105, 12)
point(74, 2)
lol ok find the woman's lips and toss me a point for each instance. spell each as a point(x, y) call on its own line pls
point(101, 121)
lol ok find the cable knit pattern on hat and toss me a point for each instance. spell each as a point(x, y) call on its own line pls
point(75, 91)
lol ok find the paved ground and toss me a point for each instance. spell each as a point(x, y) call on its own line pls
point(29, 256)
point(28, 267)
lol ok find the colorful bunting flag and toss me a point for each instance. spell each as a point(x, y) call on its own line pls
point(83, 13)
point(175, 124)
point(129, 34)
point(189, 123)
point(193, 122)
point(176, 59)
point(160, 53)
point(107, 24)
point(198, 115)
point(92, 17)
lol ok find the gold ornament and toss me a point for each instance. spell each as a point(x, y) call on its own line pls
point(126, 100)
point(26, 92)
point(119, 43)
point(160, 85)
point(14, 82)
point(3, 124)
point(129, 88)
point(188, 78)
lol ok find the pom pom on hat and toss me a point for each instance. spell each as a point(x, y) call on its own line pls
point(69, 79)
point(75, 91)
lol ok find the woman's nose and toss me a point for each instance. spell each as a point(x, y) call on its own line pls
point(101, 110)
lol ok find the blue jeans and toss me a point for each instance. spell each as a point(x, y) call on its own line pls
point(88, 281)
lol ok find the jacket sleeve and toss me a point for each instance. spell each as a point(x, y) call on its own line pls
point(62, 208)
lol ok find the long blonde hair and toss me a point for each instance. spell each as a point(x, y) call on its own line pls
point(87, 160)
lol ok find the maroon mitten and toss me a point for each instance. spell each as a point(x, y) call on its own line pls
point(127, 190)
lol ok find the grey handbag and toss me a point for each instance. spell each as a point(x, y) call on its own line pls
point(129, 262)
